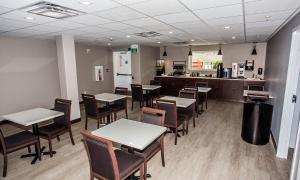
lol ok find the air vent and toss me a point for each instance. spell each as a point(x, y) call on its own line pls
point(181, 43)
point(148, 34)
point(51, 10)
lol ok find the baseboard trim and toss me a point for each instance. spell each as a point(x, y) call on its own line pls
point(273, 141)
point(76, 120)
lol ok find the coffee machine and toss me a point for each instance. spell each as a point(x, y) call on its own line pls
point(241, 70)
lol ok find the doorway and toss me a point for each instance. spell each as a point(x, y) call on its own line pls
point(122, 69)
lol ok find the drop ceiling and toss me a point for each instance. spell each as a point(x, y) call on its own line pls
point(115, 22)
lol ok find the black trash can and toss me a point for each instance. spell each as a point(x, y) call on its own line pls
point(257, 118)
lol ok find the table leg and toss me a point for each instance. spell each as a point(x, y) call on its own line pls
point(133, 177)
point(108, 117)
point(206, 100)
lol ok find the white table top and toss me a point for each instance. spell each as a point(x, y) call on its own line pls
point(32, 116)
point(109, 97)
point(150, 87)
point(204, 89)
point(131, 133)
point(180, 102)
point(261, 93)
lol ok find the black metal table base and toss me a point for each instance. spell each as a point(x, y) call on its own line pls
point(36, 157)
point(137, 177)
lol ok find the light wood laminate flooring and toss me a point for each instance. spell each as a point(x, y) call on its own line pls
point(213, 150)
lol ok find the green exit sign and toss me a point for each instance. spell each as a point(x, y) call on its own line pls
point(134, 48)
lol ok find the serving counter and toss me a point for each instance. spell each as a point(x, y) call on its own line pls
point(223, 89)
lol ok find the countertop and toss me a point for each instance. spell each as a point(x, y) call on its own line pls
point(237, 79)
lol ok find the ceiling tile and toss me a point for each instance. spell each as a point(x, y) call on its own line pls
point(97, 5)
point(120, 14)
point(46, 28)
point(197, 25)
point(116, 26)
point(158, 27)
point(234, 28)
point(20, 16)
point(272, 16)
point(7, 28)
point(89, 20)
point(133, 30)
point(220, 12)
point(178, 17)
point(93, 29)
point(24, 33)
point(14, 23)
point(17, 4)
point(4, 9)
point(225, 21)
point(156, 7)
point(258, 29)
point(66, 24)
point(126, 2)
point(143, 22)
point(264, 24)
point(264, 6)
point(204, 4)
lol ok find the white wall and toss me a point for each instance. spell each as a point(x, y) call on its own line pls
point(231, 53)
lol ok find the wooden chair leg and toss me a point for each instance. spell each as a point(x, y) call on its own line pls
point(142, 173)
point(115, 116)
point(57, 137)
point(187, 127)
point(71, 137)
point(4, 165)
point(206, 100)
point(50, 148)
point(86, 123)
point(176, 132)
point(29, 149)
point(145, 170)
point(126, 113)
point(92, 177)
point(162, 153)
point(98, 123)
point(131, 104)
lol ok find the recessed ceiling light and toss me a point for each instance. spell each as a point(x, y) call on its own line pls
point(85, 2)
point(227, 27)
point(267, 16)
point(192, 40)
point(128, 36)
point(170, 32)
point(110, 38)
point(233, 37)
point(158, 42)
point(109, 44)
point(29, 18)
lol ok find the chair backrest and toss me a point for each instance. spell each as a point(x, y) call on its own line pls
point(64, 106)
point(171, 111)
point(155, 82)
point(90, 105)
point(101, 156)
point(121, 91)
point(188, 93)
point(137, 92)
point(256, 87)
point(2, 143)
point(153, 116)
point(201, 84)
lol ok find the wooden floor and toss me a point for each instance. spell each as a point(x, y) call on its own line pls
point(212, 151)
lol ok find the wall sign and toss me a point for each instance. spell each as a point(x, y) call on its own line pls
point(134, 48)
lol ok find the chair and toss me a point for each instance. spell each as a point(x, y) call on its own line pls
point(156, 93)
point(60, 125)
point(189, 112)
point(120, 105)
point(93, 111)
point(106, 163)
point(138, 95)
point(172, 119)
point(256, 87)
point(194, 90)
point(16, 142)
point(156, 117)
point(201, 97)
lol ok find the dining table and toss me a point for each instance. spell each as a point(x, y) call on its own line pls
point(149, 89)
point(32, 117)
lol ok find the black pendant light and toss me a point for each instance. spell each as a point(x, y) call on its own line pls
point(190, 51)
point(165, 51)
point(254, 52)
point(220, 50)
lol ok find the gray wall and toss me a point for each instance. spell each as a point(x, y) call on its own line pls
point(28, 74)
point(148, 56)
point(277, 59)
point(86, 61)
point(231, 53)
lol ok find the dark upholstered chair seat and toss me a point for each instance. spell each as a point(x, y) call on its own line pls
point(51, 129)
point(19, 139)
point(127, 162)
point(116, 107)
point(103, 111)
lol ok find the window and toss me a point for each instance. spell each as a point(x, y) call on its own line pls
point(204, 60)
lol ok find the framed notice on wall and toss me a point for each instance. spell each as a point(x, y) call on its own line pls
point(99, 73)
